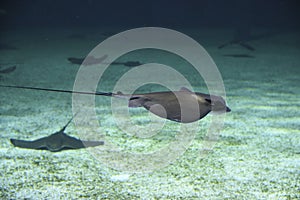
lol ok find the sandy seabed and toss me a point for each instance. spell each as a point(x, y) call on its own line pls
point(256, 156)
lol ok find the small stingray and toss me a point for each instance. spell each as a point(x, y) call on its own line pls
point(239, 42)
point(91, 60)
point(239, 55)
point(8, 70)
point(243, 35)
point(58, 141)
point(128, 63)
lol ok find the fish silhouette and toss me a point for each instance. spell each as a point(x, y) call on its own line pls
point(90, 60)
point(8, 70)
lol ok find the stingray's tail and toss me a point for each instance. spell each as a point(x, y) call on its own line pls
point(59, 90)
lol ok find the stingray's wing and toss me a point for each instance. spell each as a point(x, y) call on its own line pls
point(247, 46)
point(223, 45)
point(74, 143)
point(36, 144)
point(92, 143)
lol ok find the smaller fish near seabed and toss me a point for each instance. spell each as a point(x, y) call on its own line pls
point(8, 70)
point(239, 55)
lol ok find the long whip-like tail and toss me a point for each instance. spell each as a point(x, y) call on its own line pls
point(59, 90)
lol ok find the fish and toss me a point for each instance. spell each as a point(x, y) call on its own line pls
point(243, 35)
point(77, 61)
point(56, 142)
point(128, 63)
point(238, 55)
point(90, 60)
point(8, 70)
point(165, 104)
point(179, 106)
point(239, 42)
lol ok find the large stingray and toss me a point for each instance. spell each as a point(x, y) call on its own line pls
point(182, 106)
point(56, 142)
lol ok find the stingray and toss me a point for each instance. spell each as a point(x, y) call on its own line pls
point(91, 60)
point(182, 106)
point(8, 70)
point(243, 35)
point(58, 141)
point(128, 63)
point(239, 55)
point(167, 104)
point(239, 42)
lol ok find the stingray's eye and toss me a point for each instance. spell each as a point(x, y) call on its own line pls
point(208, 100)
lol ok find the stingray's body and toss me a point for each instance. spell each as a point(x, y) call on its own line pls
point(56, 142)
point(182, 106)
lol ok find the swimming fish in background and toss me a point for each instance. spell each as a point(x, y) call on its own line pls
point(90, 60)
point(167, 104)
point(239, 55)
point(58, 141)
point(8, 70)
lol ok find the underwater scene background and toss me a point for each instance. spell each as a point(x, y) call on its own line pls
point(256, 153)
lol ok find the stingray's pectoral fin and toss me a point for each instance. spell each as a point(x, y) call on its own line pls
point(247, 46)
point(37, 144)
point(74, 143)
point(223, 45)
point(92, 143)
